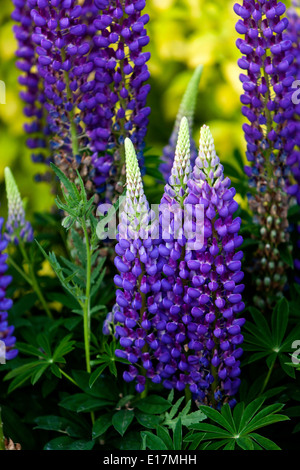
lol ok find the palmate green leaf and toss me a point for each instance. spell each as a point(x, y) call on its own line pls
point(245, 420)
point(65, 347)
point(264, 442)
point(237, 414)
point(217, 417)
point(96, 373)
point(210, 429)
point(249, 412)
point(279, 321)
point(30, 349)
point(263, 328)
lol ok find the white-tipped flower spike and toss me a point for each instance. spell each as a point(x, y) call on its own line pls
point(208, 163)
point(137, 207)
point(186, 109)
point(16, 226)
point(181, 170)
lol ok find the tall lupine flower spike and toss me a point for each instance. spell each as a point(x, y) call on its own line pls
point(92, 72)
point(215, 273)
point(293, 34)
point(6, 331)
point(32, 94)
point(136, 262)
point(267, 104)
point(187, 109)
point(17, 228)
point(115, 102)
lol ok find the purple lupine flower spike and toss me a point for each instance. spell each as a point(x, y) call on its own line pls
point(186, 109)
point(92, 72)
point(215, 272)
point(293, 34)
point(115, 107)
point(267, 104)
point(17, 228)
point(136, 263)
point(32, 94)
point(6, 331)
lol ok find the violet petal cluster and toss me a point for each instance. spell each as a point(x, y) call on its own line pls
point(115, 103)
point(6, 331)
point(179, 322)
point(90, 70)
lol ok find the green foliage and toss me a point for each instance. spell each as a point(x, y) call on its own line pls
point(235, 430)
point(48, 358)
point(270, 341)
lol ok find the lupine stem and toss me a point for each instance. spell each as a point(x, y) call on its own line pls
point(2, 440)
point(34, 283)
point(268, 377)
point(86, 309)
point(68, 377)
point(19, 270)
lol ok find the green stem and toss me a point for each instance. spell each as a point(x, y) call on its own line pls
point(20, 271)
point(188, 394)
point(68, 377)
point(34, 283)
point(268, 377)
point(86, 309)
point(2, 440)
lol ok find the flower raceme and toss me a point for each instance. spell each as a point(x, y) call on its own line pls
point(267, 80)
point(6, 331)
point(17, 228)
point(84, 62)
point(177, 303)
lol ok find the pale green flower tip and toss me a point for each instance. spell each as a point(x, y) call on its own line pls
point(10, 184)
point(130, 154)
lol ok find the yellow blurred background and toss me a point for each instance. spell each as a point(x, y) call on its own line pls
point(183, 34)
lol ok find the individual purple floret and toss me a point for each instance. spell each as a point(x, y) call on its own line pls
point(6, 331)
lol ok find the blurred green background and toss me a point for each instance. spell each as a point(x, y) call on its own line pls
point(184, 34)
